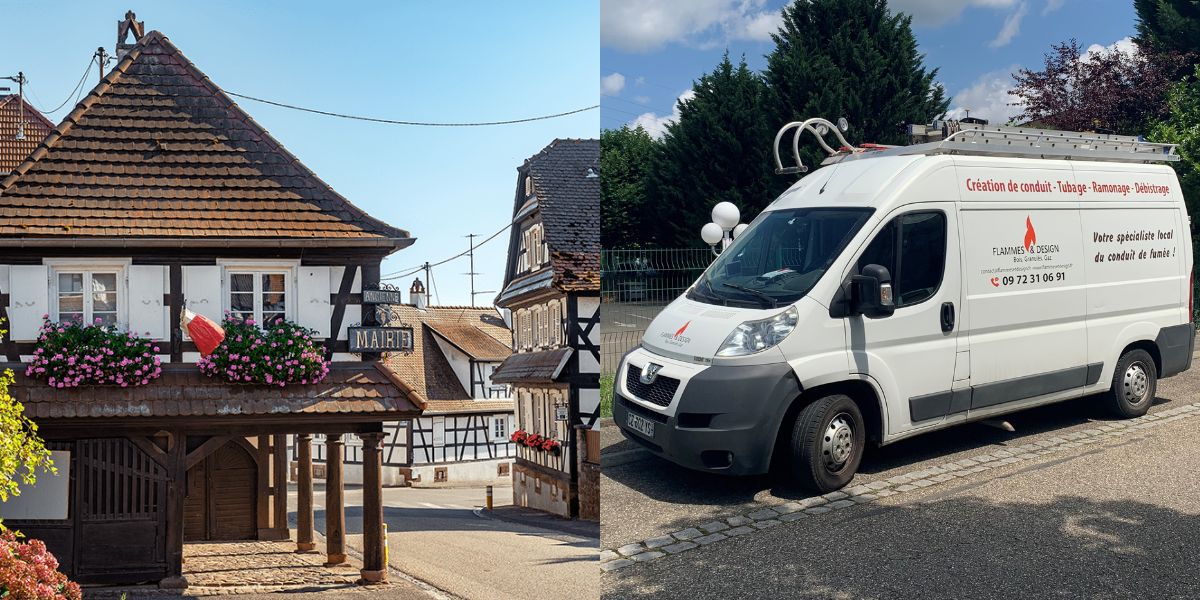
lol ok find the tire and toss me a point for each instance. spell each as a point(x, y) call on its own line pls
point(1134, 384)
point(827, 443)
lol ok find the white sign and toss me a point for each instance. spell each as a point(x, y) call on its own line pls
point(560, 412)
point(46, 500)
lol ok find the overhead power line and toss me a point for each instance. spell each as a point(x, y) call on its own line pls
point(415, 123)
point(72, 93)
point(402, 273)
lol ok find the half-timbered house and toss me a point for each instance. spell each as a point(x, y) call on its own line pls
point(463, 435)
point(155, 194)
point(552, 290)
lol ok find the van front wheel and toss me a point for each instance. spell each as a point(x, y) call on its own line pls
point(827, 443)
point(1134, 384)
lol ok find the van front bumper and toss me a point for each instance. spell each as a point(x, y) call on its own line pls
point(723, 419)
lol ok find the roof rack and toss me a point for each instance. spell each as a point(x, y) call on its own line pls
point(956, 137)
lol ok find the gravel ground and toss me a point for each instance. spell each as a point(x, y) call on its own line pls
point(1109, 520)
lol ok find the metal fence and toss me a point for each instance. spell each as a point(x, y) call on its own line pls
point(634, 286)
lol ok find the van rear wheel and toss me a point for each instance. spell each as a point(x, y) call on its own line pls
point(1134, 383)
point(827, 443)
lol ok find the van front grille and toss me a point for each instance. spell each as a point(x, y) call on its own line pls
point(660, 393)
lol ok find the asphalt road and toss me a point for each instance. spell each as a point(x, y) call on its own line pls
point(1116, 519)
point(439, 536)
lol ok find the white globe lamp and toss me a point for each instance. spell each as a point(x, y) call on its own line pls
point(739, 229)
point(712, 234)
point(726, 215)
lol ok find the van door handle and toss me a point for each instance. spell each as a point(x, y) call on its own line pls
point(947, 316)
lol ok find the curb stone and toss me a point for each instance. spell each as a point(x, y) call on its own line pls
point(767, 517)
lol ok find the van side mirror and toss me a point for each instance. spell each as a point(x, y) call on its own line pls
point(871, 292)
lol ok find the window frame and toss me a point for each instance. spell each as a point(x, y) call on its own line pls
point(88, 269)
point(499, 428)
point(898, 245)
point(257, 269)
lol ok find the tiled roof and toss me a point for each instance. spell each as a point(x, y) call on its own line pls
point(157, 150)
point(532, 367)
point(568, 200)
point(183, 391)
point(426, 368)
point(13, 151)
point(450, 407)
point(472, 340)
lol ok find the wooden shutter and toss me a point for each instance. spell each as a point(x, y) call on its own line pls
point(29, 299)
point(312, 299)
point(146, 309)
point(202, 291)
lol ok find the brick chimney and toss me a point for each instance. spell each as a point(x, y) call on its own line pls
point(126, 27)
point(416, 294)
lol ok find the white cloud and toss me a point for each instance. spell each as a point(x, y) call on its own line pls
point(987, 98)
point(642, 99)
point(933, 13)
point(612, 84)
point(1011, 27)
point(646, 25)
point(656, 125)
point(1052, 5)
point(1124, 45)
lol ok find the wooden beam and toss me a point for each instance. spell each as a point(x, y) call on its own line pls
point(152, 450)
point(304, 504)
point(176, 490)
point(208, 447)
point(374, 569)
point(263, 498)
point(175, 276)
point(335, 507)
point(339, 308)
point(279, 491)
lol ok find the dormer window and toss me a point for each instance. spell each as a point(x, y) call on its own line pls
point(533, 252)
point(528, 186)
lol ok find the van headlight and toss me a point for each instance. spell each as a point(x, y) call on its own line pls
point(756, 336)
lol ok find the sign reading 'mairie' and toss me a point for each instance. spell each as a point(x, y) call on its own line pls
point(382, 297)
point(380, 339)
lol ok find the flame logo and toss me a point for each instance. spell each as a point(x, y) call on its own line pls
point(682, 329)
point(1030, 234)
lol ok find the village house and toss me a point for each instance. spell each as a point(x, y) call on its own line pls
point(552, 291)
point(157, 194)
point(22, 128)
point(463, 434)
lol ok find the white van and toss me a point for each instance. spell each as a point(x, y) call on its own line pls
point(899, 291)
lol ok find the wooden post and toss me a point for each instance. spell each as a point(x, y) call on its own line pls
point(304, 481)
point(374, 570)
point(279, 468)
point(263, 504)
point(176, 490)
point(335, 508)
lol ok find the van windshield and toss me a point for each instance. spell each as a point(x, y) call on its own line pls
point(779, 257)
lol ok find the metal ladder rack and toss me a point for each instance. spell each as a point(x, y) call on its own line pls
point(984, 140)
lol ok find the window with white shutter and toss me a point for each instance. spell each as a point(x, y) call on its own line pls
point(259, 295)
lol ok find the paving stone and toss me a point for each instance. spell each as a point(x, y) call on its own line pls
point(811, 502)
point(659, 542)
point(885, 493)
point(607, 555)
point(739, 521)
point(796, 516)
point(615, 564)
point(766, 513)
point(899, 479)
point(713, 527)
point(943, 477)
point(743, 530)
point(831, 496)
point(908, 487)
point(631, 549)
point(925, 482)
point(864, 498)
point(877, 485)
point(788, 508)
point(647, 556)
point(966, 462)
point(705, 540)
point(856, 490)
point(768, 523)
point(816, 510)
point(840, 504)
point(690, 533)
point(680, 547)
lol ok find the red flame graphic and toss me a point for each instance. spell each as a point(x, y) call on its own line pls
point(1030, 235)
point(682, 329)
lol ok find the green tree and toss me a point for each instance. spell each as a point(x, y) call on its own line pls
point(625, 156)
point(718, 150)
point(853, 59)
point(1182, 127)
point(22, 451)
point(1165, 26)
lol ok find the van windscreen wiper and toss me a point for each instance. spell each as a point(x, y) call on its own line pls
point(771, 303)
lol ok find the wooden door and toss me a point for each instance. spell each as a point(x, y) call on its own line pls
point(221, 502)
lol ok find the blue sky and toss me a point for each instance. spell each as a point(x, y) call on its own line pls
point(652, 51)
point(428, 61)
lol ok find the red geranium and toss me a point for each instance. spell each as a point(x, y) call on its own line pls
point(518, 436)
point(551, 445)
point(533, 440)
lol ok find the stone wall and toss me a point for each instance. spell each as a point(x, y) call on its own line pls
point(538, 489)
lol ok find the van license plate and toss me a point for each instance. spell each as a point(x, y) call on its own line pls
point(640, 424)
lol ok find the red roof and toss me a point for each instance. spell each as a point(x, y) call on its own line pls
point(13, 151)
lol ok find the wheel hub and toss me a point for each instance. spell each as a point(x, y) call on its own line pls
point(1136, 384)
point(837, 442)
